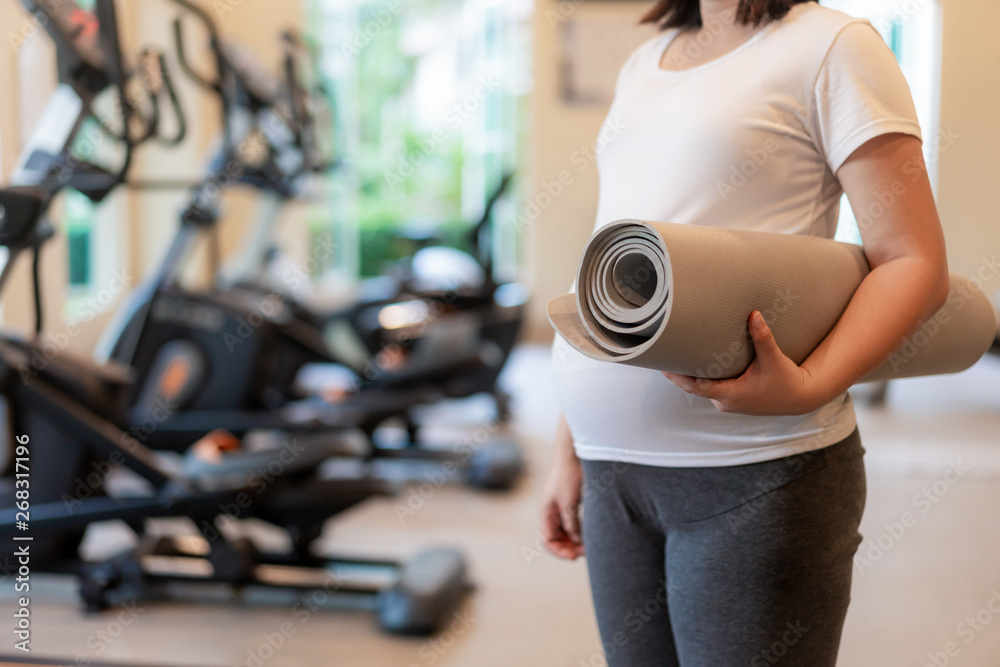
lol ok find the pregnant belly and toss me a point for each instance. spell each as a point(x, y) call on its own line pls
point(617, 407)
point(613, 405)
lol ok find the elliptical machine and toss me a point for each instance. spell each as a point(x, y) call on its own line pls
point(230, 358)
point(62, 413)
point(457, 288)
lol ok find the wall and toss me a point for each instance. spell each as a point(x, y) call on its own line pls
point(560, 135)
point(968, 197)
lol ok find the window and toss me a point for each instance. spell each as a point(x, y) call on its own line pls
point(912, 30)
point(429, 105)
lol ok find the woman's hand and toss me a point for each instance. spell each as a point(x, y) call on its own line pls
point(561, 510)
point(561, 499)
point(771, 385)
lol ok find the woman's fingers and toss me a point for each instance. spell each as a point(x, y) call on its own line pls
point(764, 346)
point(570, 516)
point(561, 530)
point(560, 509)
point(565, 548)
point(766, 352)
point(698, 386)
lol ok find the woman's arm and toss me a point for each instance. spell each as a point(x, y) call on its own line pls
point(886, 182)
point(561, 498)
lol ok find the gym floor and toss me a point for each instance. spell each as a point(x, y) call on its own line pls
point(911, 597)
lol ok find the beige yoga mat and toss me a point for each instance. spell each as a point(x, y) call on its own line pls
point(678, 297)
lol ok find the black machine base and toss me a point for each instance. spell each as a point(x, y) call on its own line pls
point(412, 597)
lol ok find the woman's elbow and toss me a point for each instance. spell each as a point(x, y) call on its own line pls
point(940, 286)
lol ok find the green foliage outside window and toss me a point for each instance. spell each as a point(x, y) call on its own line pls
point(79, 216)
point(399, 173)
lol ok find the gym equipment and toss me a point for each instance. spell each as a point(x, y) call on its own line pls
point(457, 288)
point(457, 285)
point(677, 298)
point(67, 449)
point(231, 358)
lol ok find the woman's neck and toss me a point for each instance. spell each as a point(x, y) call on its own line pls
point(719, 13)
point(723, 33)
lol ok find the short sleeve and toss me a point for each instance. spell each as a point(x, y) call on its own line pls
point(860, 94)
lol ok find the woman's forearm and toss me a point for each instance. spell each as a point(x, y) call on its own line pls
point(563, 451)
point(905, 246)
point(887, 307)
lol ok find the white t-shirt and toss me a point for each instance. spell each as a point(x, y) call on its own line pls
point(751, 140)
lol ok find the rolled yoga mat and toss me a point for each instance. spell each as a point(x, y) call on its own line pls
point(678, 298)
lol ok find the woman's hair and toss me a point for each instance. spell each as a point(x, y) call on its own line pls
point(687, 13)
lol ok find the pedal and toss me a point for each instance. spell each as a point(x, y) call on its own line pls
point(496, 465)
point(429, 588)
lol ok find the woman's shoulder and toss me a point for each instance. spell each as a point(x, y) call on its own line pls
point(810, 31)
point(811, 20)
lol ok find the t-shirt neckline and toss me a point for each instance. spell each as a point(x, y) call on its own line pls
point(670, 37)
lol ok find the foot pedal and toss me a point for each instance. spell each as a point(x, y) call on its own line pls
point(496, 465)
point(430, 587)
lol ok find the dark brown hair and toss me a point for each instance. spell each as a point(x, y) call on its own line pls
point(687, 13)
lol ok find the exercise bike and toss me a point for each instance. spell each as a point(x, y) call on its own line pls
point(438, 286)
point(62, 414)
point(425, 310)
point(230, 358)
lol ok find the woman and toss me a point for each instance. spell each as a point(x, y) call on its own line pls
point(720, 518)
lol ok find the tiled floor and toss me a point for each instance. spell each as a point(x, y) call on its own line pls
point(529, 609)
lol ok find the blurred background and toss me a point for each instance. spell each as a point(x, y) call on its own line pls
point(426, 106)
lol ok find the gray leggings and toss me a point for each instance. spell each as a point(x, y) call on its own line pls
point(741, 566)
